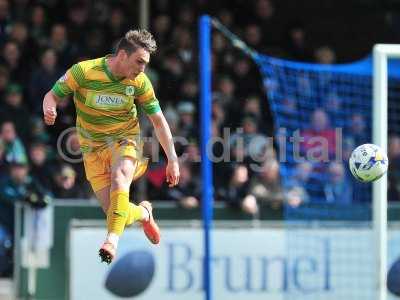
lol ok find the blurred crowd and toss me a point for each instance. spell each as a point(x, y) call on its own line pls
point(39, 40)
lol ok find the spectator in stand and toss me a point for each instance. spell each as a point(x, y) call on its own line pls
point(226, 91)
point(15, 109)
point(301, 174)
point(237, 192)
point(65, 186)
point(190, 89)
point(78, 21)
point(226, 17)
point(117, 24)
point(12, 189)
point(191, 155)
point(187, 193)
point(20, 35)
point(358, 129)
point(266, 186)
point(219, 44)
point(221, 162)
point(304, 85)
point(265, 16)
point(318, 142)
point(70, 151)
point(14, 149)
point(66, 52)
point(187, 126)
point(318, 146)
point(38, 25)
point(42, 78)
point(218, 115)
point(252, 107)
point(296, 196)
point(296, 43)
point(253, 37)
point(38, 131)
point(20, 9)
point(325, 55)
point(11, 58)
point(155, 178)
point(225, 94)
point(172, 71)
point(40, 164)
point(183, 42)
point(18, 185)
point(297, 185)
point(155, 174)
point(94, 44)
point(3, 166)
point(289, 109)
point(242, 70)
point(223, 58)
point(359, 188)
point(172, 117)
point(252, 142)
point(186, 17)
point(6, 253)
point(5, 20)
point(394, 168)
point(337, 189)
point(161, 29)
point(4, 81)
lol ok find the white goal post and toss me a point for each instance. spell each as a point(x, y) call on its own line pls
point(381, 54)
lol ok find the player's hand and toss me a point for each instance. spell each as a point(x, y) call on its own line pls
point(50, 115)
point(172, 173)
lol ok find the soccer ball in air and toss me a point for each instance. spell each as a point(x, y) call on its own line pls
point(368, 162)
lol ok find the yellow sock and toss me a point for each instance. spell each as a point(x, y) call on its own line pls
point(135, 213)
point(118, 212)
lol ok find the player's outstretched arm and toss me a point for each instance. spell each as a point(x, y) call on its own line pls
point(50, 108)
point(164, 136)
point(66, 85)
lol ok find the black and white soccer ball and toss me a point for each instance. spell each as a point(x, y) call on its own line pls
point(368, 162)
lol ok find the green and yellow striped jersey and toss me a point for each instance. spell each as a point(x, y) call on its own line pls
point(105, 105)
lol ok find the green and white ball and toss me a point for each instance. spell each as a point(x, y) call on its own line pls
point(368, 163)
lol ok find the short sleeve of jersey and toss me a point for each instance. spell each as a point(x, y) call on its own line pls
point(147, 98)
point(69, 82)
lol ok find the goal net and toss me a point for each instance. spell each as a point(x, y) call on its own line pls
point(321, 113)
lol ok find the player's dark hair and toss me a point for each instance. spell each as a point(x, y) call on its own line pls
point(135, 39)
